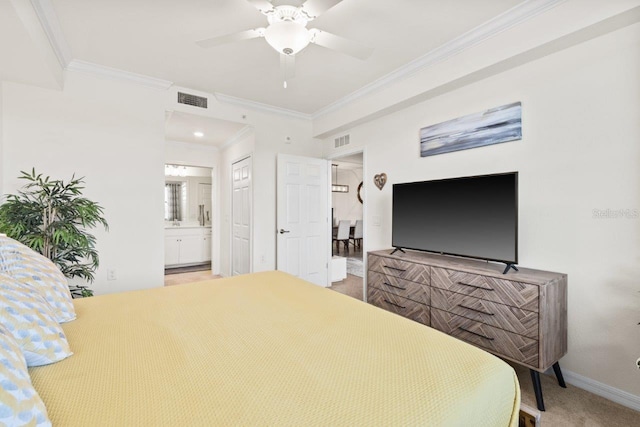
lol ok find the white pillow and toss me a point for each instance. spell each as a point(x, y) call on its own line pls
point(29, 319)
point(20, 404)
point(39, 273)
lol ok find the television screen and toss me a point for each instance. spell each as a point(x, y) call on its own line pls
point(475, 216)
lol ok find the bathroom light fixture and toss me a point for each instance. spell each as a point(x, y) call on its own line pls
point(337, 188)
point(175, 170)
point(198, 134)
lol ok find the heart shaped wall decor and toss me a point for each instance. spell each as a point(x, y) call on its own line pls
point(380, 180)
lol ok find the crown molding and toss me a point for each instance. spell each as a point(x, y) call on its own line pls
point(115, 74)
point(228, 99)
point(488, 29)
point(520, 13)
point(237, 137)
point(51, 27)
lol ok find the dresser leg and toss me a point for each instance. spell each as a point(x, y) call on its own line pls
point(556, 369)
point(537, 388)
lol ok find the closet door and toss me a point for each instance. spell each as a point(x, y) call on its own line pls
point(241, 217)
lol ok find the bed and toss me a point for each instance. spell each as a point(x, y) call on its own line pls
point(266, 349)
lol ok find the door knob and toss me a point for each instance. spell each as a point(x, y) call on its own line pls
point(282, 231)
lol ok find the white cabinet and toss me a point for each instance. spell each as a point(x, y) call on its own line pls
point(190, 249)
point(187, 246)
point(171, 250)
point(206, 248)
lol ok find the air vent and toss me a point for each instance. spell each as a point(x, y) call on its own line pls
point(188, 99)
point(342, 141)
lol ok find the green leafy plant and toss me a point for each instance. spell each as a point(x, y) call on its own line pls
point(52, 217)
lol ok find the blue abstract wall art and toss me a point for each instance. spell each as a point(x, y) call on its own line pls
point(493, 126)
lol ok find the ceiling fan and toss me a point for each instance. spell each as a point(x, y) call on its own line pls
point(288, 34)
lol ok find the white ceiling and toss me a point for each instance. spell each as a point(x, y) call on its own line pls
point(353, 161)
point(181, 127)
point(157, 38)
point(21, 61)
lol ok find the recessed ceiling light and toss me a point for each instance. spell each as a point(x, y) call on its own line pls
point(198, 134)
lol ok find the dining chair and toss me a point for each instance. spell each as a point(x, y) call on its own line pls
point(342, 235)
point(357, 234)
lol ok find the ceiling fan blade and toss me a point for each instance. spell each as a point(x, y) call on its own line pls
point(340, 44)
point(230, 38)
point(263, 6)
point(315, 8)
point(287, 66)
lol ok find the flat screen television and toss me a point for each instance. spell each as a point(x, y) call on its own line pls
point(474, 216)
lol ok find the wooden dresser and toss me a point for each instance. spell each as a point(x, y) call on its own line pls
point(520, 316)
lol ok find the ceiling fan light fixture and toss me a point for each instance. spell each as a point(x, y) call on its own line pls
point(287, 37)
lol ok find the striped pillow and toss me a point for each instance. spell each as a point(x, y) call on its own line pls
point(38, 272)
point(20, 404)
point(28, 317)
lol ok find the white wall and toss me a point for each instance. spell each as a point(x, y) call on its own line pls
point(2, 167)
point(270, 141)
point(263, 144)
point(112, 133)
point(182, 153)
point(270, 134)
point(346, 205)
point(580, 151)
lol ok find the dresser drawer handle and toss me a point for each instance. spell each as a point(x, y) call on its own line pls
point(475, 333)
point(474, 286)
point(392, 303)
point(475, 309)
point(394, 268)
point(394, 286)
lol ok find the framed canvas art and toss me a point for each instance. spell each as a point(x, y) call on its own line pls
point(493, 126)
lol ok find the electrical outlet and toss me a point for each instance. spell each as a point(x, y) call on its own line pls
point(262, 259)
point(111, 274)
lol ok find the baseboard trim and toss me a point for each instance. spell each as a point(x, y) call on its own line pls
point(615, 395)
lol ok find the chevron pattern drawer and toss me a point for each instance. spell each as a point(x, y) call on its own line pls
point(404, 270)
point(521, 316)
point(404, 288)
point(512, 346)
point(399, 305)
point(508, 292)
point(502, 316)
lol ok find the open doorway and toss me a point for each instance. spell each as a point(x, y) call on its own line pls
point(188, 218)
point(347, 212)
point(193, 201)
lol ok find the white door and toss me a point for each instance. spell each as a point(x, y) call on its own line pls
point(302, 218)
point(241, 217)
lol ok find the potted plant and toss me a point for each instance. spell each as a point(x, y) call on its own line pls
point(52, 217)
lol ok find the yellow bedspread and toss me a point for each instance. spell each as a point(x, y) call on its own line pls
point(266, 349)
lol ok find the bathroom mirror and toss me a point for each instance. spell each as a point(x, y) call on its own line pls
point(187, 195)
